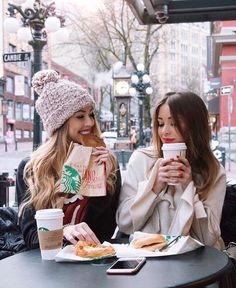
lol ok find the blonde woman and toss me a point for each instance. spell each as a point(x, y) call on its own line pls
point(67, 112)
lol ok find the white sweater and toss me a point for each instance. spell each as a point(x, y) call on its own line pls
point(173, 211)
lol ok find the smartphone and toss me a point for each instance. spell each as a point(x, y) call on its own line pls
point(126, 266)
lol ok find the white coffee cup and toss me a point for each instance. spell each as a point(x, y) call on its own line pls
point(171, 150)
point(50, 232)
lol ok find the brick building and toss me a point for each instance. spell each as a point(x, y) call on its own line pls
point(223, 66)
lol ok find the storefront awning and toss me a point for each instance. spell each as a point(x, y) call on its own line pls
point(178, 11)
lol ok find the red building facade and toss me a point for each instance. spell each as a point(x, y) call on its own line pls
point(224, 66)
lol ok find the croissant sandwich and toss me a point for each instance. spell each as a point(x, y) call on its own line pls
point(87, 249)
point(90, 140)
point(151, 242)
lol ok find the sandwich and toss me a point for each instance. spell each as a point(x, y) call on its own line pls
point(151, 242)
point(90, 140)
point(87, 249)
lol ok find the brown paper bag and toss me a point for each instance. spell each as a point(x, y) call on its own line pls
point(81, 175)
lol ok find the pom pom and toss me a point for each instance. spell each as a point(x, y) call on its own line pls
point(41, 78)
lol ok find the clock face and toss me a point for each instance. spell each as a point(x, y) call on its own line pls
point(122, 88)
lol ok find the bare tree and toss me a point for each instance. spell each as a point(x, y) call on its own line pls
point(113, 34)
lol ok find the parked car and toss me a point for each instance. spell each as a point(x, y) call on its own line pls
point(110, 138)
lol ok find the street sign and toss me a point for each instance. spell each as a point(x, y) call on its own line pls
point(225, 90)
point(16, 57)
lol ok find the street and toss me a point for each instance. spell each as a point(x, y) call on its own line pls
point(10, 160)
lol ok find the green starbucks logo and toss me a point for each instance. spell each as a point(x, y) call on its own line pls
point(71, 180)
point(43, 229)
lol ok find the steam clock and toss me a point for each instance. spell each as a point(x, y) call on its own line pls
point(121, 85)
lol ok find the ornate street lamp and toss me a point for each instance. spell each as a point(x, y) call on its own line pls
point(37, 19)
point(140, 84)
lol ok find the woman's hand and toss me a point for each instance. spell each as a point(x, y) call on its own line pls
point(102, 154)
point(176, 170)
point(162, 175)
point(80, 231)
point(180, 172)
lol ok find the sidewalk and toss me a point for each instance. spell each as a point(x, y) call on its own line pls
point(10, 160)
point(21, 147)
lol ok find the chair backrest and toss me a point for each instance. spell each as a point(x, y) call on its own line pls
point(228, 219)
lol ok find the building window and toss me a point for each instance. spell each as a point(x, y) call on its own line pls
point(9, 84)
point(19, 85)
point(10, 114)
point(172, 45)
point(183, 81)
point(32, 113)
point(18, 111)
point(26, 134)
point(26, 112)
point(195, 50)
point(18, 133)
point(172, 56)
point(27, 89)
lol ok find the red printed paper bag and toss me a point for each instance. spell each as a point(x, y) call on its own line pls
point(81, 174)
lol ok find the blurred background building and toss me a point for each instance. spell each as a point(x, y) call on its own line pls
point(188, 56)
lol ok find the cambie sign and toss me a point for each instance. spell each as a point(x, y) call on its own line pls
point(16, 57)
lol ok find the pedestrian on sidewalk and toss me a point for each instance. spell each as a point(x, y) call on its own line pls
point(148, 136)
point(67, 113)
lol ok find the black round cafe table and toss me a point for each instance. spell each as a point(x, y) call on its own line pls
point(198, 268)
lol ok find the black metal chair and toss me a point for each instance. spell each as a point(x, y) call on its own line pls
point(228, 233)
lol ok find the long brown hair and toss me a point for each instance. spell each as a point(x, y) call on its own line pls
point(189, 108)
point(42, 173)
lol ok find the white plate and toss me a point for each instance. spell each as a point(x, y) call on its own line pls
point(67, 254)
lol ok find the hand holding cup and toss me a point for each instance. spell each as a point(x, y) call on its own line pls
point(175, 153)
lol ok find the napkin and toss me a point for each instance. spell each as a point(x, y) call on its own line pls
point(182, 245)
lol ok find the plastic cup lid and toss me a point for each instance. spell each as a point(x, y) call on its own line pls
point(174, 146)
point(49, 214)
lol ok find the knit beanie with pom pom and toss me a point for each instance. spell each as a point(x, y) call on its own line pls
point(58, 99)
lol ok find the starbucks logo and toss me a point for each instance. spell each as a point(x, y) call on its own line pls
point(43, 229)
point(71, 180)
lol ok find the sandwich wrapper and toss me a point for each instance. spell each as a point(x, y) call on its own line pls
point(182, 245)
point(81, 174)
point(67, 254)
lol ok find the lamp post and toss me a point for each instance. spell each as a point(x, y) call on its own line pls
point(37, 19)
point(3, 107)
point(140, 84)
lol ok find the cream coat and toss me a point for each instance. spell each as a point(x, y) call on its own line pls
point(173, 211)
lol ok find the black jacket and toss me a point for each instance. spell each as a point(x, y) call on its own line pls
point(11, 240)
point(100, 212)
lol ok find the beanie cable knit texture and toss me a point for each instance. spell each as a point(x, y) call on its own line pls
point(58, 99)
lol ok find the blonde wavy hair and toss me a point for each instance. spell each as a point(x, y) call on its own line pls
point(43, 171)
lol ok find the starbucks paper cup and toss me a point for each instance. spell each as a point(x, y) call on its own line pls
point(50, 232)
point(171, 150)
